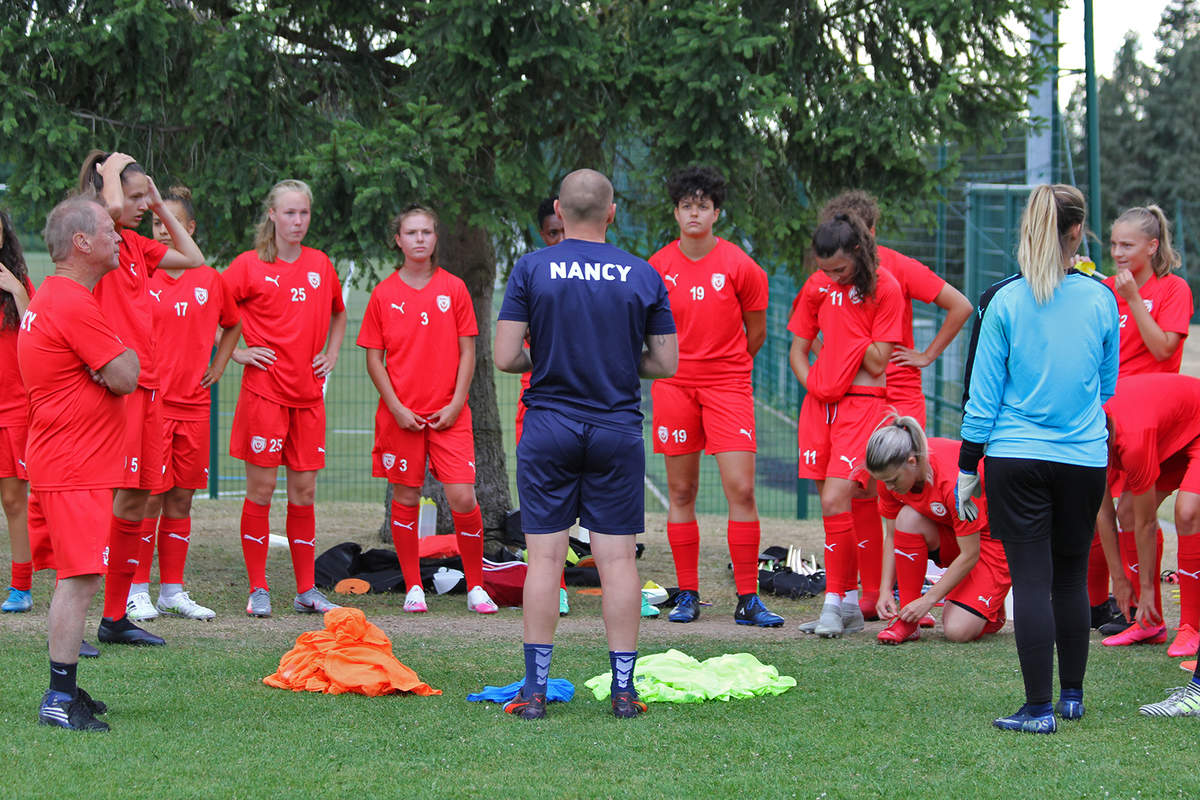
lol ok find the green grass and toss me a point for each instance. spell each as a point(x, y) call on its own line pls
point(193, 719)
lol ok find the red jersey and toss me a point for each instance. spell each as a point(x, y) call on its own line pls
point(935, 501)
point(708, 298)
point(848, 324)
point(1169, 301)
point(418, 331)
point(917, 282)
point(124, 297)
point(76, 426)
point(14, 409)
point(1155, 415)
point(287, 308)
point(187, 312)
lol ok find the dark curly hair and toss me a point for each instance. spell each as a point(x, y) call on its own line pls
point(849, 234)
point(853, 201)
point(13, 258)
point(697, 181)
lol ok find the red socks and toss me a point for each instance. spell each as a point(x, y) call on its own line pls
point(1097, 580)
point(1189, 580)
point(839, 553)
point(868, 534)
point(22, 575)
point(256, 527)
point(124, 542)
point(911, 554)
point(743, 539)
point(146, 550)
point(684, 539)
point(468, 532)
point(404, 537)
point(174, 535)
point(302, 542)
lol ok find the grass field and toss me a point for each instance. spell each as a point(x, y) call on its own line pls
point(193, 719)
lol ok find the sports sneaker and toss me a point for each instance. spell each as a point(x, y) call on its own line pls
point(1105, 613)
point(313, 602)
point(1186, 642)
point(414, 601)
point(18, 601)
point(88, 650)
point(899, 632)
point(72, 713)
point(829, 624)
point(1136, 634)
point(1117, 624)
point(927, 621)
point(479, 601)
point(259, 603)
point(625, 705)
point(532, 707)
point(1183, 701)
point(181, 604)
point(95, 706)
point(852, 618)
point(751, 611)
point(808, 627)
point(123, 631)
point(648, 608)
point(1027, 722)
point(1070, 704)
point(1188, 666)
point(139, 608)
point(687, 607)
point(564, 605)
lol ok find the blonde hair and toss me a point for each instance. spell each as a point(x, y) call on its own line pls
point(1152, 222)
point(264, 234)
point(895, 441)
point(1050, 214)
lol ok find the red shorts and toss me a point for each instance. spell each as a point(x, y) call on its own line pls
point(1181, 471)
point(142, 448)
point(716, 419)
point(907, 402)
point(68, 531)
point(833, 436)
point(267, 434)
point(400, 455)
point(987, 584)
point(12, 452)
point(186, 446)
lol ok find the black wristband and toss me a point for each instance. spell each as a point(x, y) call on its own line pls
point(969, 455)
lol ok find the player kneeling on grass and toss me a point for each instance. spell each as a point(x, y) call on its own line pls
point(917, 479)
point(189, 307)
point(419, 333)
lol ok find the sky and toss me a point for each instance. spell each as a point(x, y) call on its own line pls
point(1113, 18)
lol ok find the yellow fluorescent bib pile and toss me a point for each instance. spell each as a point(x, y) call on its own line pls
point(675, 677)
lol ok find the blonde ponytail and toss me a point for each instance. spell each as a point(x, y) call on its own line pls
point(1050, 214)
point(895, 441)
point(1152, 222)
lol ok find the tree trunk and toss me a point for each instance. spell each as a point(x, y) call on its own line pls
point(467, 252)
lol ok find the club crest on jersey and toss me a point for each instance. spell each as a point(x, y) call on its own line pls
point(314, 280)
point(258, 444)
point(718, 280)
point(443, 303)
point(855, 295)
point(938, 509)
point(201, 295)
point(1148, 303)
point(389, 460)
point(662, 433)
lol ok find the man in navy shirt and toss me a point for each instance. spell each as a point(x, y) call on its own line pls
point(598, 320)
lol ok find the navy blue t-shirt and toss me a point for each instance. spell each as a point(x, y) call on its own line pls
point(589, 307)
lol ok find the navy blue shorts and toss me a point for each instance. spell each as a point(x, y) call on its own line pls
point(568, 470)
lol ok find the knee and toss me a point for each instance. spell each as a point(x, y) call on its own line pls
point(740, 493)
point(15, 501)
point(460, 497)
point(177, 505)
point(406, 495)
point(682, 492)
point(302, 495)
point(962, 633)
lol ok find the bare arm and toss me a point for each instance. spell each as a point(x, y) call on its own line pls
point(112, 195)
point(185, 254)
point(1106, 527)
point(1145, 514)
point(377, 370)
point(508, 348)
point(798, 359)
point(958, 310)
point(228, 341)
point(756, 330)
point(660, 359)
point(875, 360)
point(324, 362)
point(120, 375)
point(10, 284)
point(445, 417)
point(1161, 344)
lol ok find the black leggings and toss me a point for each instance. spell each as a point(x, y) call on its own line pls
point(1045, 514)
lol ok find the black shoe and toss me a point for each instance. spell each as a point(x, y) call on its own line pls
point(1104, 613)
point(68, 712)
point(751, 611)
point(625, 705)
point(88, 650)
point(532, 707)
point(95, 706)
point(687, 607)
point(1117, 624)
point(122, 631)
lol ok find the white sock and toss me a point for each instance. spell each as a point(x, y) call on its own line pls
point(168, 590)
point(135, 588)
point(851, 597)
point(833, 599)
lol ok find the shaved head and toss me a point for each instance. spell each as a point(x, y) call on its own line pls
point(585, 196)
